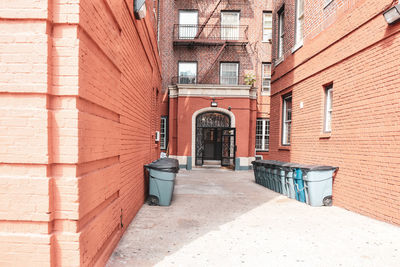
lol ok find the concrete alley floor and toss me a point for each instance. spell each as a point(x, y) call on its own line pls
point(223, 218)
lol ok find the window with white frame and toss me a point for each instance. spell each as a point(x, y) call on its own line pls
point(328, 108)
point(163, 133)
point(229, 73)
point(188, 20)
point(266, 78)
point(286, 119)
point(230, 22)
point(262, 135)
point(299, 21)
point(281, 32)
point(187, 72)
point(267, 26)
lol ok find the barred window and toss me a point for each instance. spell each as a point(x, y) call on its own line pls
point(163, 133)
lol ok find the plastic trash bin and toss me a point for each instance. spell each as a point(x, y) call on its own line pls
point(162, 174)
point(318, 183)
point(299, 185)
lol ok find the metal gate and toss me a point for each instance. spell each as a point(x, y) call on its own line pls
point(228, 147)
point(214, 138)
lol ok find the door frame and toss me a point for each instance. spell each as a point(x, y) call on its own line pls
point(194, 116)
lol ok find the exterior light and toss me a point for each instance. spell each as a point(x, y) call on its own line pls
point(214, 103)
point(392, 15)
point(140, 9)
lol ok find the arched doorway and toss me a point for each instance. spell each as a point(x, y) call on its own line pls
point(215, 139)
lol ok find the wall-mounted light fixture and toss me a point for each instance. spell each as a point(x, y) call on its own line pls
point(214, 103)
point(140, 9)
point(392, 15)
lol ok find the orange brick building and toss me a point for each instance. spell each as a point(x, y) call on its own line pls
point(335, 98)
point(210, 109)
point(80, 89)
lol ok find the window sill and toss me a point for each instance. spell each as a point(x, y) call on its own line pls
point(279, 61)
point(287, 148)
point(328, 3)
point(262, 151)
point(265, 93)
point(325, 136)
point(297, 47)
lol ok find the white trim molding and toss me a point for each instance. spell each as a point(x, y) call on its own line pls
point(215, 90)
point(208, 109)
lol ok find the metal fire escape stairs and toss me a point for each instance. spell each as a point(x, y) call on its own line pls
point(220, 50)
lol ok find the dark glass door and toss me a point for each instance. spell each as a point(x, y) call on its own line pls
point(212, 143)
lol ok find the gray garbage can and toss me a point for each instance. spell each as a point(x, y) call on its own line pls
point(318, 183)
point(162, 174)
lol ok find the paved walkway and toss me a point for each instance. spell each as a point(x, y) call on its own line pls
point(222, 218)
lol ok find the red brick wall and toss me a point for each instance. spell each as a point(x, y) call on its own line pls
point(80, 91)
point(249, 57)
point(357, 52)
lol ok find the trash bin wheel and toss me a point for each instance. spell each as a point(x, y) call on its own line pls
point(153, 201)
point(327, 201)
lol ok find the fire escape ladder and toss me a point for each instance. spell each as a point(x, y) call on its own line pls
point(207, 19)
point(215, 60)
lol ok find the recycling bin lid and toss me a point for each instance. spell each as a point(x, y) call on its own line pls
point(317, 168)
point(165, 165)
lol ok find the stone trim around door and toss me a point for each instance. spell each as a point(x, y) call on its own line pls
point(208, 109)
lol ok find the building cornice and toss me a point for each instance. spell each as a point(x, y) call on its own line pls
point(212, 90)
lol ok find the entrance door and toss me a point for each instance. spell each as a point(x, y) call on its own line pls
point(210, 127)
point(228, 147)
point(212, 143)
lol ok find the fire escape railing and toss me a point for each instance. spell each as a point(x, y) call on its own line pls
point(200, 33)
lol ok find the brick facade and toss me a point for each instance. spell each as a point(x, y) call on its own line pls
point(250, 57)
point(347, 44)
point(80, 89)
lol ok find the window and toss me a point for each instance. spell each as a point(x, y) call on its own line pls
point(266, 78)
point(230, 22)
point(163, 133)
point(328, 109)
point(262, 135)
point(281, 32)
point(267, 26)
point(188, 20)
point(187, 72)
point(299, 21)
point(229, 73)
point(286, 119)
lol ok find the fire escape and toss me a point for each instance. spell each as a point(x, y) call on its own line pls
point(211, 35)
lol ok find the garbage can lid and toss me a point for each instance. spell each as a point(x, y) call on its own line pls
point(165, 165)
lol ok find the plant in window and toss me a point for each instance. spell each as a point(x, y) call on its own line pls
point(249, 79)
